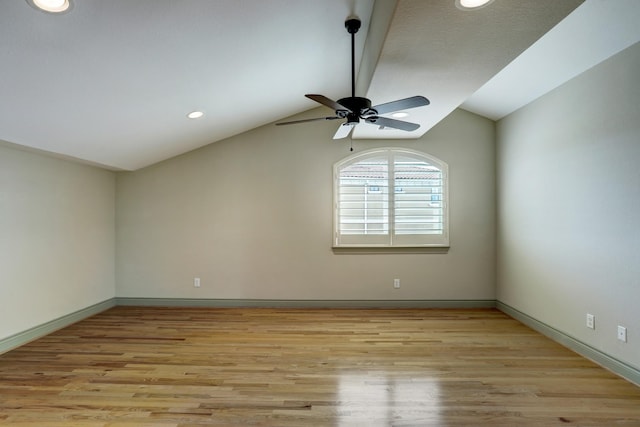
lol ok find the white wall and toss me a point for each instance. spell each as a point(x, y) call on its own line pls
point(252, 217)
point(569, 206)
point(56, 238)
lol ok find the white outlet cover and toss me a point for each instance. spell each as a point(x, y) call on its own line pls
point(591, 321)
point(622, 333)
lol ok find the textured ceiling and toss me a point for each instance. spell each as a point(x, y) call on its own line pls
point(438, 51)
point(592, 33)
point(111, 82)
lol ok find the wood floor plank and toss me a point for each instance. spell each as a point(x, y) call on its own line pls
point(179, 367)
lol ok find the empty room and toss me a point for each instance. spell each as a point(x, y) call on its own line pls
point(319, 213)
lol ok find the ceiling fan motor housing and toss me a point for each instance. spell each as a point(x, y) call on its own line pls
point(358, 106)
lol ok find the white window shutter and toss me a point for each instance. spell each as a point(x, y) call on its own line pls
point(390, 197)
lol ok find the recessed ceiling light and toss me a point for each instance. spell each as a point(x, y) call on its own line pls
point(472, 4)
point(399, 114)
point(53, 6)
point(195, 114)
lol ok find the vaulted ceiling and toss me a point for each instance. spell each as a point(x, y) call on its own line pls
point(111, 82)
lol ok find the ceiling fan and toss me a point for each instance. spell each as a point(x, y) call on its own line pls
point(355, 108)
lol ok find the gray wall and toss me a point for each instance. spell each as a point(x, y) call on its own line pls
point(569, 206)
point(57, 228)
point(252, 217)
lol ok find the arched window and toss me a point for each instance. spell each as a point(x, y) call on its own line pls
point(390, 197)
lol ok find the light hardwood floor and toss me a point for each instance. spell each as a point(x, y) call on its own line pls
point(132, 366)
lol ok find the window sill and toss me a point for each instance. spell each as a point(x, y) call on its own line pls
point(339, 250)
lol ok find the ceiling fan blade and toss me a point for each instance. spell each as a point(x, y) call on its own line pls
point(307, 120)
point(328, 102)
point(344, 130)
point(401, 104)
point(392, 123)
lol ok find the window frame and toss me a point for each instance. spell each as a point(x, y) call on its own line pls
point(391, 239)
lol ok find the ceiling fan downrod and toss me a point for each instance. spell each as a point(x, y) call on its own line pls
point(353, 25)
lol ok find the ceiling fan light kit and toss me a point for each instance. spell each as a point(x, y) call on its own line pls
point(355, 108)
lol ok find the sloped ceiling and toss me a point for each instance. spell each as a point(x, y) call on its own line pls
point(111, 82)
point(446, 54)
point(592, 33)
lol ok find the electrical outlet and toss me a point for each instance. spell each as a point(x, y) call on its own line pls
point(196, 282)
point(591, 321)
point(396, 283)
point(622, 333)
